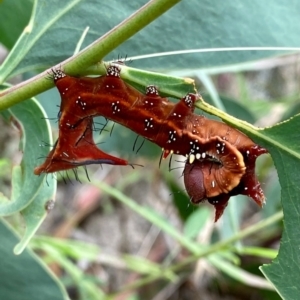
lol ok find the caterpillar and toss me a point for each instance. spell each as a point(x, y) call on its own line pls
point(75, 147)
point(220, 160)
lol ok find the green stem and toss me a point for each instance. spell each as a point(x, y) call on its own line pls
point(90, 55)
point(226, 117)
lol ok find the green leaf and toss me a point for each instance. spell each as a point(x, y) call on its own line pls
point(282, 141)
point(145, 266)
point(15, 15)
point(259, 252)
point(214, 24)
point(30, 193)
point(25, 277)
point(34, 130)
point(239, 274)
point(58, 26)
point(69, 248)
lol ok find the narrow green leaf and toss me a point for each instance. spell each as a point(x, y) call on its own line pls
point(144, 266)
point(259, 252)
point(238, 273)
point(212, 90)
point(69, 248)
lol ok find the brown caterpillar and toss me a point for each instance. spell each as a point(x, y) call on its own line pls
point(75, 147)
point(220, 159)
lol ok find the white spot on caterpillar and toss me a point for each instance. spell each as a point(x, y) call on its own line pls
point(115, 107)
point(191, 158)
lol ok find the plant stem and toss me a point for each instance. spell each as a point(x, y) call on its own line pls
point(90, 55)
point(225, 117)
